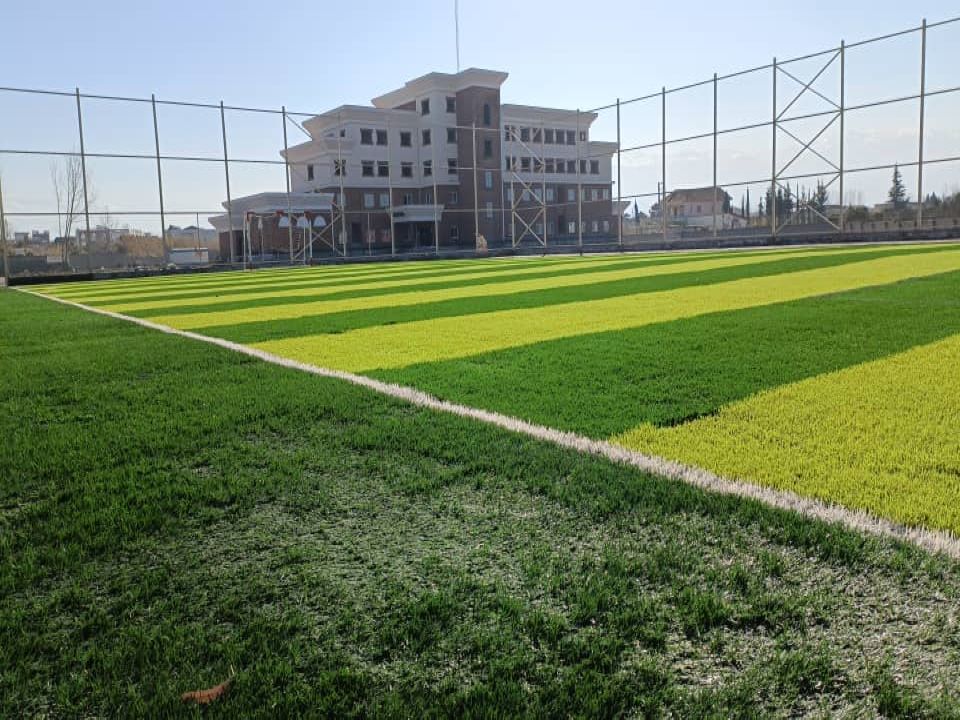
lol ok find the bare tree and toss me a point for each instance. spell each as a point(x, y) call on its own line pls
point(67, 177)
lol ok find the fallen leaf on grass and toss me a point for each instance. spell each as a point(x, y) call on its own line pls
point(204, 697)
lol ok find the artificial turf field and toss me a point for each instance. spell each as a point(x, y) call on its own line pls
point(828, 372)
point(173, 514)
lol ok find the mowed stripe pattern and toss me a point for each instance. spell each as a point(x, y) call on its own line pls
point(782, 368)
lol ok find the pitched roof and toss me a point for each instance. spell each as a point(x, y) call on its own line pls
point(702, 194)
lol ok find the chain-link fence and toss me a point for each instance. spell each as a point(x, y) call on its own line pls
point(856, 142)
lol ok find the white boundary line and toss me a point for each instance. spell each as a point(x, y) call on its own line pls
point(932, 540)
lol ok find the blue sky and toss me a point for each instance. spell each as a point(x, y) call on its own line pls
point(313, 56)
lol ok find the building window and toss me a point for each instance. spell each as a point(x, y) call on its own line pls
point(381, 137)
point(538, 194)
point(525, 164)
point(489, 211)
point(571, 137)
point(384, 200)
point(583, 136)
point(451, 104)
point(606, 193)
point(309, 172)
point(507, 133)
point(524, 134)
point(488, 148)
point(451, 166)
point(368, 201)
point(405, 138)
point(525, 196)
point(408, 198)
point(571, 195)
point(339, 167)
point(383, 169)
point(606, 226)
point(510, 195)
point(559, 165)
point(594, 226)
point(488, 179)
point(406, 169)
point(548, 136)
point(454, 197)
point(537, 135)
point(550, 194)
point(583, 167)
point(537, 165)
point(549, 162)
point(571, 167)
point(428, 197)
point(455, 232)
point(425, 135)
point(366, 136)
point(343, 132)
point(487, 115)
point(428, 168)
point(594, 167)
point(366, 168)
point(451, 135)
point(550, 227)
point(425, 106)
point(595, 194)
point(571, 227)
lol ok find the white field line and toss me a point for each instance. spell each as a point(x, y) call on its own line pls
point(932, 540)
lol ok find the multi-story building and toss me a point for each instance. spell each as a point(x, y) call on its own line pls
point(442, 160)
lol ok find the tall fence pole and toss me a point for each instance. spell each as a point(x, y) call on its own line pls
point(543, 183)
point(843, 113)
point(923, 97)
point(619, 185)
point(579, 190)
point(163, 215)
point(772, 201)
point(343, 193)
point(83, 170)
point(714, 155)
point(476, 196)
point(393, 238)
point(286, 165)
point(434, 169)
point(663, 161)
point(226, 171)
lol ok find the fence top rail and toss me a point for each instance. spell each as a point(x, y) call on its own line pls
point(607, 106)
point(767, 66)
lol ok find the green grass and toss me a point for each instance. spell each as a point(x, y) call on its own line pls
point(172, 512)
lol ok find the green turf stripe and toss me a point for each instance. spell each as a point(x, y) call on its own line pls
point(606, 383)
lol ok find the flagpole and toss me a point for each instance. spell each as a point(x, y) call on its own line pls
point(456, 25)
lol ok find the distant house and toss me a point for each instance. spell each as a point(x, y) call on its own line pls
point(697, 207)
